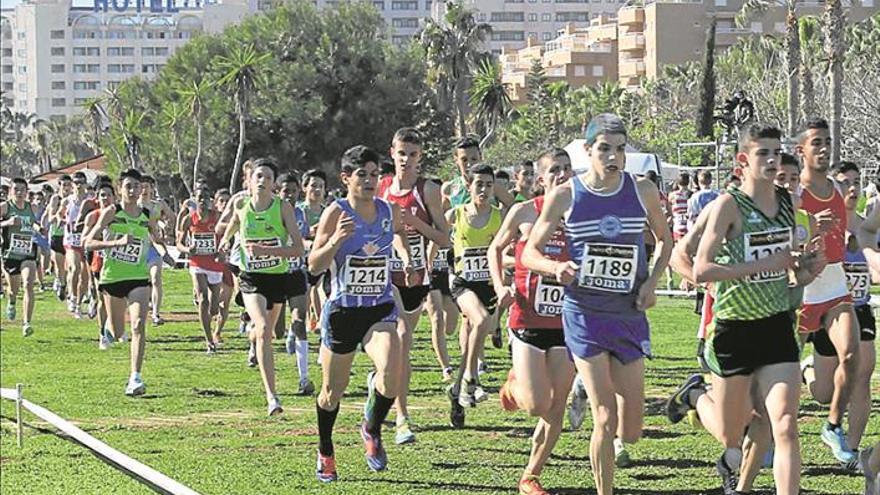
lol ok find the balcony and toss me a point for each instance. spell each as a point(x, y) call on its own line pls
point(631, 43)
point(632, 68)
point(631, 15)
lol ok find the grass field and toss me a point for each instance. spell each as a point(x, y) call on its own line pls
point(203, 420)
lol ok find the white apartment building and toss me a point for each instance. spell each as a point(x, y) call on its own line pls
point(404, 18)
point(55, 55)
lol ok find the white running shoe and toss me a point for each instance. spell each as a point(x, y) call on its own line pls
point(135, 387)
point(105, 342)
point(77, 312)
point(27, 330)
point(274, 406)
point(124, 338)
point(577, 411)
point(70, 305)
point(480, 395)
point(252, 356)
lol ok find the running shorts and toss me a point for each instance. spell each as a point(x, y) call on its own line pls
point(57, 244)
point(740, 347)
point(483, 290)
point(811, 316)
point(213, 277)
point(277, 288)
point(542, 339)
point(412, 297)
point(300, 283)
point(440, 281)
point(123, 289)
point(626, 339)
point(344, 329)
point(13, 266)
point(822, 344)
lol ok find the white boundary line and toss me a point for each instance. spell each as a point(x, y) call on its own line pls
point(114, 456)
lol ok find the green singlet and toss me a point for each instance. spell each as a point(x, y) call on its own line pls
point(471, 245)
point(127, 262)
point(266, 228)
point(19, 240)
point(766, 293)
point(460, 194)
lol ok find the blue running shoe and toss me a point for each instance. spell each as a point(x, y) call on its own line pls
point(835, 438)
point(377, 460)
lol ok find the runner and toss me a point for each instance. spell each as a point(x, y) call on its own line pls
point(125, 232)
point(540, 379)
point(196, 237)
point(457, 191)
point(819, 371)
point(37, 200)
point(227, 287)
point(422, 216)
point(827, 301)
point(268, 234)
point(440, 306)
point(607, 284)
point(75, 262)
point(56, 234)
point(94, 258)
point(161, 214)
point(524, 175)
point(745, 252)
point(474, 225)
point(19, 251)
point(354, 241)
point(297, 340)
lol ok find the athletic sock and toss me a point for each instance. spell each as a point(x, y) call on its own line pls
point(733, 458)
point(135, 376)
point(618, 444)
point(326, 420)
point(379, 410)
point(694, 395)
point(302, 359)
point(831, 426)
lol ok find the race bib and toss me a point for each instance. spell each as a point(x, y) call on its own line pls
point(475, 264)
point(609, 267)
point(416, 254)
point(257, 263)
point(130, 253)
point(548, 297)
point(204, 243)
point(21, 244)
point(760, 245)
point(441, 262)
point(74, 239)
point(366, 275)
point(858, 279)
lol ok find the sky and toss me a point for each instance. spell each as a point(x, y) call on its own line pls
point(8, 4)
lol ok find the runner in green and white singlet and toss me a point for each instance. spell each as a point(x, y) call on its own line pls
point(19, 224)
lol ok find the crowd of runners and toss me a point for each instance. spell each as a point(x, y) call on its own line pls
point(567, 264)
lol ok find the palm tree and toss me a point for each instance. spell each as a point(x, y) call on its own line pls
point(453, 51)
point(240, 73)
point(557, 100)
point(753, 8)
point(706, 109)
point(42, 144)
point(195, 94)
point(835, 50)
point(95, 111)
point(172, 117)
point(807, 28)
point(489, 99)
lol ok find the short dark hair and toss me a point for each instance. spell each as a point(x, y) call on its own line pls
point(80, 175)
point(358, 156)
point(604, 123)
point(19, 180)
point(288, 177)
point(407, 135)
point(755, 131)
point(99, 180)
point(386, 167)
point(314, 173)
point(704, 177)
point(65, 177)
point(522, 164)
point(684, 179)
point(48, 189)
point(204, 189)
point(652, 176)
point(149, 179)
point(131, 174)
point(789, 159)
point(502, 174)
point(106, 183)
point(846, 166)
point(813, 123)
point(266, 162)
point(480, 169)
point(466, 142)
point(218, 192)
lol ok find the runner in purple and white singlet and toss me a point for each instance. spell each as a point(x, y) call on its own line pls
point(607, 283)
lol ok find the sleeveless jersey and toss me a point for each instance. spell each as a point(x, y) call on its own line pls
point(459, 194)
point(359, 272)
point(763, 294)
point(834, 239)
point(127, 262)
point(204, 241)
point(471, 246)
point(858, 276)
point(414, 201)
point(18, 241)
point(679, 210)
point(537, 301)
point(313, 218)
point(265, 228)
point(605, 237)
point(72, 234)
point(97, 256)
point(302, 224)
point(55, 228)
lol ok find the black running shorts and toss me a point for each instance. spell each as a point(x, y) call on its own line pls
point(822, 344)
point(440, 281)
point(123, 289)
point(542, 339)
point(345, 328)
point(57, 244)
point(277, 288)
point(739, 347)
point(483, 290)
point(412, 297)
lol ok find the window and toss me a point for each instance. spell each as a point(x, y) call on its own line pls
point(21, 35)
point(580, 70)
point(405, 22)
point(120, 68)
point(113, 84)
point(380, 6)
point(481, 17)
point(22, 87)
point(57, 68)
point(757, 27)
point(58, 85)
point(867, 3)
point(147, 51)
point(7, 69)
point(513, 1)
point(533, 35)
point(7, 86)
point(86, 68)
point(80, 101)
point(546, 36)
point(399, 40)
point(86, 85)
point(22, 103)
point(123, 51)
point(21, 53)
point(598, 71)
point(572, 16)
point(127, 35)
point(533, 17)
point(546, 17)
point(556, 72)
point(59, 102)
point(721, 3)
point(508, 36)
point(91, 51)
point(7, 52)
point(56, 34)
point(405, 5)
point(507, 17)
point(148, 69)
point(22, 69)
point(57, 51)
point(428, 4)
point(161, 51)
point(83, 35)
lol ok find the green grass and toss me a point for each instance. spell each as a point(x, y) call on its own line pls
point(203, 421)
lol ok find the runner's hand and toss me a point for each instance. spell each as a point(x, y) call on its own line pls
point(124, 240)
point(505, 294)
point(646, 298)
point(779, 261)
point(344, 229)
point(255, 249)
point(566, 272)
point(824, 220)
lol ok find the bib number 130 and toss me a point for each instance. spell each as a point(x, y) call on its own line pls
point(760, 245)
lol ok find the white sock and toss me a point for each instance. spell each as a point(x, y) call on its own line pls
point(135, 376)
point(302, 359)
point(618, 444)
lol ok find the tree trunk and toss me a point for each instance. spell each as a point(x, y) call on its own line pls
point(834, 50)
point(792, 62)
point(706, 110)
point(198, 151)
point(807, 96)
point(460, 108)
point(236, 168)
point(176, 145)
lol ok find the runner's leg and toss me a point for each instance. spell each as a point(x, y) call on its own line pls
point(725, 410)
point(843, 330)
point(434, 306)
point(116, 307)
point(860, 401)
point(405, 327)
point(779, 384)
point(156, 294)
point(596, 374)
point(27, 277)
point(476, 328)
point(200, 284)
point(137, 313)
point(820, 378)
point(263, 328)
point(629, 387)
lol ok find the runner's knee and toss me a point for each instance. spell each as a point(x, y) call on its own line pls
point(785, 429)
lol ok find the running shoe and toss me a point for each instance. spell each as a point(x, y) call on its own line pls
point(62, 293)
point(70, 305)
point(529, 485)
point(242, 327)
point(105, 342)
point(482, 367)
point(835, 438)
point(577, 411)
point(10, 310)
point(274, 407)
point(371, 390)
point(677, 406)
point(729, 479)
point(508, 402)
point(124, 338)
point(135, 387)
point(77, 312)
point(480, 395)
point(290, 344)
point(621, 456)
point(456, 412)
point(466, 394)
point(158, 321)
point(447, 374)
point(377, 460)
point(93, 309)
point(212, 349)
point(326, 471)
point(252, 356)
point(404, 433)
point(27, 330)
point(306, 388)
point(496, 338)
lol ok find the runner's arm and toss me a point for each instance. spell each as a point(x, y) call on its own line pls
point(228, 212)
point(7, 222)
point(444, 195)
point(867, 236)
point(682, 259)
point(533, 257)
point(90, 223)
point(506, 235)
point(400, 243)
point(231, 225)
point(438, 232)
point(91, 243)
point(156, 239)
point(657, 223)
point(295, 248)
point(182, 229)
point(328, 238)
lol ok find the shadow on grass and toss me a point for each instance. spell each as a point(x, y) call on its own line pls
point(438, 485)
